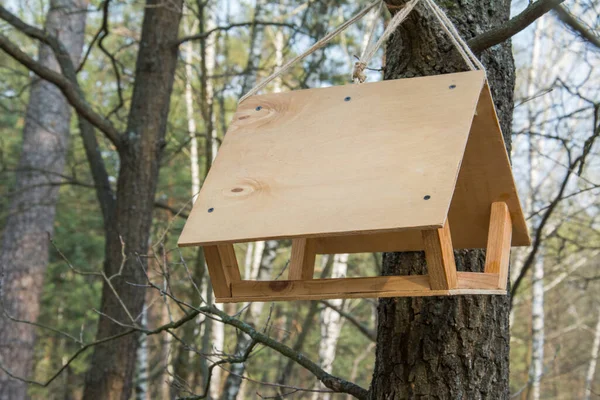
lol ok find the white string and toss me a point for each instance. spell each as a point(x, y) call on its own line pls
point(457, 40)
point(358, 74)
point(326, 39)
point(370, 49)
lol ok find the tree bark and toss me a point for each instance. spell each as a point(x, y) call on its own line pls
point(24, 251)
point(458, 347)
point(128, 230)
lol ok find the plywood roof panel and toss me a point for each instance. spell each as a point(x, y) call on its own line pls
point(337, 161)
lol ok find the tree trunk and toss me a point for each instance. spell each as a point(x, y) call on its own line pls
point(113, 363)
point(439, 347)
point(24, 251)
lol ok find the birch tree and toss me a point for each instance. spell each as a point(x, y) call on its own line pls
point(594, 353)
point(537, 304)
point(331, 323)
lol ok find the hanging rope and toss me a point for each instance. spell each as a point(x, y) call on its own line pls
point(311, 50)
point(358, 75)
point(457, 40)
point(369, 51)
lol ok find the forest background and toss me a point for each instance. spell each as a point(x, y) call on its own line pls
point(225, 47)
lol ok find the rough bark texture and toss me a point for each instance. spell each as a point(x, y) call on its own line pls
point(24, 251)
point(445, 348)
point(113, 363)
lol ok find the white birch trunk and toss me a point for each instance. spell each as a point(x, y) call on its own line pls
point(141, 392)
point(331, 324)
point(591, 372)
point(189, 108)
point(218, 341)
point(259, 248)
point(532, 74)
point(210, 57)
point(218, 330)
point(537, 301)
point(248, 261)
point(254, 55)
point(537, 315)
point(188, 54)
point(279, 42)
point(264, 272)
point(260, 269)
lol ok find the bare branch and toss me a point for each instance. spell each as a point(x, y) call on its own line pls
point(66, 82)
point(513, 26)
point(104, 34)
point(575, 167)
point(332, 382)
point(369, 333)
point(174, 211)
point(579, 27)
point(69, 361)
point(204, 35)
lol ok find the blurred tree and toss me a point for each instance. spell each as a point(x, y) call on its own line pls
point(456, 347)
point(128, 211)
point(24, 249)
point(129, 216)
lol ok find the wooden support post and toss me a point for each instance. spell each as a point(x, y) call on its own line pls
point(440, 258)
point(218, 279)
point(302, 261)
point(229, 263)
point(498, 245)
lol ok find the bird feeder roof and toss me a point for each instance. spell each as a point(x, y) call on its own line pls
point(370, 159)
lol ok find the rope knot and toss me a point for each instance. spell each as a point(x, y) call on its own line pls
point(358, 74)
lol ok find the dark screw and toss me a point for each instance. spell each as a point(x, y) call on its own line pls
point(452, 86)
point(211, 210)
point(427, 197)
point(347, 98)
point(258, 108)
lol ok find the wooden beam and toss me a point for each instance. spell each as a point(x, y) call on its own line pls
point(302, 261)
point(477, 280)
point(378, 286)
point(217, 275)
point(408, 240)
point(229, 263)
point(439, 254)
point(498, 246)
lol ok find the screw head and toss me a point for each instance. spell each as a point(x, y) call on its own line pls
point(452, 86)
point(427, 197)
point(347, 98)
point(258, 108)
point(211, 209)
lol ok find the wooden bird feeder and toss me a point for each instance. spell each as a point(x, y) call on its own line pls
point(403, 165)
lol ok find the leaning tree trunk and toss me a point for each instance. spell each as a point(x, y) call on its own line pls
point(24, 250)
point(113, 363)
point(440, 347)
